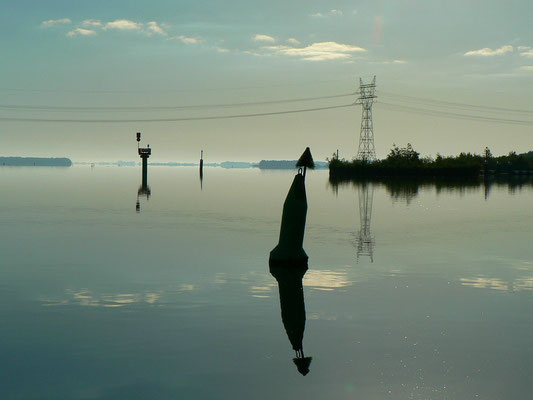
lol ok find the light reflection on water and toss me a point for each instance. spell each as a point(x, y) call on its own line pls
point(516, 285)
point(177, 301)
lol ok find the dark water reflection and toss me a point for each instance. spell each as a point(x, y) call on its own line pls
point(292, 304)
point(407, 189)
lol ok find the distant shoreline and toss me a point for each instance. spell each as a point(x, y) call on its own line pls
point(263, 164)
point(35, 162)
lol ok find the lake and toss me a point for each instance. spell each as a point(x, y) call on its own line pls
point(412, 292)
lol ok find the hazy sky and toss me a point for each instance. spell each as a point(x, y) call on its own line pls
point(98, 60)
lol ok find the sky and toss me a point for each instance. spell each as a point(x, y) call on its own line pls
point(451, 76)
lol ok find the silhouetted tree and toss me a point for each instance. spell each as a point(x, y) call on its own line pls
point(488, 154)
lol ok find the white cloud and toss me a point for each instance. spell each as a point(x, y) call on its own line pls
point(523, 48)
point(263, 38)
point(528, 53)
point(320, 51)
point(399, 62)
point(330, 13)
point(92, 22)
point(153, 27)
point(52, 22)
point(527, 68)
point(124, 24)
point(221, 50)
point(90, 27)
point(81, 32)
point(293, 41)
point(188, 40)
point(254, 53)
point(488, 52)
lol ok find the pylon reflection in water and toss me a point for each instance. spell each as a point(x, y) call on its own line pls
point(365, 241)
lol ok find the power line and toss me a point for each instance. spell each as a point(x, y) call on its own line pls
point(23, 107)
point(447, 114)
point(455, 104)
point(391, 106)
point(44, 120)
point(82, 91)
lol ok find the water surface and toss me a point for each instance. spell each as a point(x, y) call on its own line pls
point(421, 293)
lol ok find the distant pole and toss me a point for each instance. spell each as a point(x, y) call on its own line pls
point(367, 94)
point(202, 170)
point(337, 154)
point(144, 153)
point(145, 170)
point(202, 162)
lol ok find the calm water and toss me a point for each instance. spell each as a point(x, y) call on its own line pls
point(431, 298)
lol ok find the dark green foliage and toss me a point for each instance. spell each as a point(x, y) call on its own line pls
point(407, 162)
point(306, 159)
point(403, 156)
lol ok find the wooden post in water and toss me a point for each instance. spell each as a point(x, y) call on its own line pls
point(202, 170)
point(202, 163)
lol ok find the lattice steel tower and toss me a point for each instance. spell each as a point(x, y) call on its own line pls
point(367, 94)
point(365, 241)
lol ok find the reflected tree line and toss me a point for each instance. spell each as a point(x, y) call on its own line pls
point(408, 189)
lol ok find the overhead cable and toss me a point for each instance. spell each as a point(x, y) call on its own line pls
point(453, 104)
point(126, 91)
point(447, 114)
point(23, 107)
point(149, 120)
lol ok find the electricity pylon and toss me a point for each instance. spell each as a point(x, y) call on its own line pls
point(367, 94)
point(365, 240)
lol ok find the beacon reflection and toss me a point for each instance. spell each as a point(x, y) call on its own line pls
point(144, 191)
point(288, 264)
